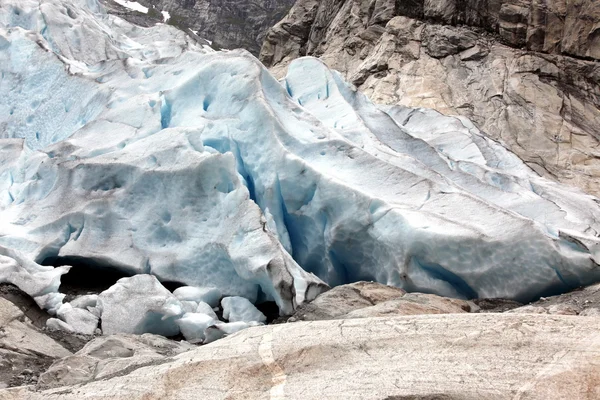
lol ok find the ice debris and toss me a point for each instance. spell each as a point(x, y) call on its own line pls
point(239, 309)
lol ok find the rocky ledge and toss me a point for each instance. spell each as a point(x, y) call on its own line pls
point(394, 345)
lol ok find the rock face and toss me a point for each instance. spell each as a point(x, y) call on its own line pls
point(24, 349)
point(460, 356)
point(584, 302)
point(229, 24)
point(525, 71)
point(109, 356)
point(370, 299)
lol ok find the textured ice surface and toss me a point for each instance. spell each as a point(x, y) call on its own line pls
point(210, 295)
point(127, 190)
point(56, 324)
point(239, 309)
point(81, 321)
point(136, 149)
point(85, 301)
point(193, 325)
point(205, 308)
point(139, 304)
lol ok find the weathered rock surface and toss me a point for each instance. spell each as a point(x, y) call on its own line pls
point(584, 302)
point(525, 71)
point(108, 356)
point(135, 17)
point(25, 350)
point(229, 24)
point(343, 299)
point(459, 356)
point(371, 299)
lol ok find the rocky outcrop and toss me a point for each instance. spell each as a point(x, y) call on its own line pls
point(525, 71)
point(457, 356)
point(25, 350)
point(109, 356)
point(229, 24)
point(583, 302)
point(371, 299)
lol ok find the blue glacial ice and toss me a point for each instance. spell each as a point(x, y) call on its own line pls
point(137, 149)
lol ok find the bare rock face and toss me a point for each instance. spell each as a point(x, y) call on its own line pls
point(229, 24)
point(527, 72)
point(344, 299)
point(455, 356)
point(25, 350)
point(109, 356)
point(371, 299)
point(583, 302)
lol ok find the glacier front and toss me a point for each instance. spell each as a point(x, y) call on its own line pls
point(138, 150)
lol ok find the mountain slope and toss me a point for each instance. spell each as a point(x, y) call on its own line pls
point(228, 24)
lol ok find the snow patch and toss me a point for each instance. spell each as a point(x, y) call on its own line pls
point(133, 5)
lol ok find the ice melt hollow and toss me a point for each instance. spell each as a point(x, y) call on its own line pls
point(136, 149)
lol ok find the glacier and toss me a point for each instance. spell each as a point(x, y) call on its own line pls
point(139, 150)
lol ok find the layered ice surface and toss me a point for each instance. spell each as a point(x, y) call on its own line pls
point(137, 149)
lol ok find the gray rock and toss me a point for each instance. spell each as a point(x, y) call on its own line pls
point(370, 299)
point(344, 299)
point(109, 356)
point(229, 24)
point(25, 350)
point(453, 356)
point(583, 302)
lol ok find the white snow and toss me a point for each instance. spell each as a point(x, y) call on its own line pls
point(136, 149)
point(166, 16)
point(132, 5)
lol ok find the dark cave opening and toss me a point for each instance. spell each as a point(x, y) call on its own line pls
point(87, 276)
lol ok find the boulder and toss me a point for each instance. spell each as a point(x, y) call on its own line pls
point(584, 302)
point(371, 299)
point(25, 350)
point(344, 299)
point(108, 356)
